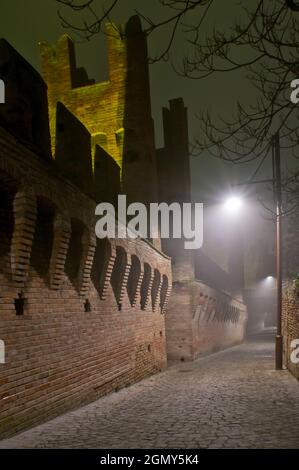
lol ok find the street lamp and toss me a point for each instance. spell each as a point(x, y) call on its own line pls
point(233, 204)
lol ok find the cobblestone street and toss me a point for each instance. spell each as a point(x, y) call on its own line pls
point(232, 399)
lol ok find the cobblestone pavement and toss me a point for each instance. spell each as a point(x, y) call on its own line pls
point(231, 399)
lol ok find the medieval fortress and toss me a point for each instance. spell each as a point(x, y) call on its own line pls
point(81, 317)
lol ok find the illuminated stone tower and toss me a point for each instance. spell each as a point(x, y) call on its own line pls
point(116, 113)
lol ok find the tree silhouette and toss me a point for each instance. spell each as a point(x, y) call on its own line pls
point(265, 43)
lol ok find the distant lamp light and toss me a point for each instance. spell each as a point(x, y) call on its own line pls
point(269, 278)
point(233, 204)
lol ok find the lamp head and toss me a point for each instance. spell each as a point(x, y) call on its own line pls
point(233, 204)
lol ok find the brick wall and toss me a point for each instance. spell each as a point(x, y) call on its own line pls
point(201, 320)
point(290, 325)
point(93, 311)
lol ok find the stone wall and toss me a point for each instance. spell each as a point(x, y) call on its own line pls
point(201, 320)
point(290, 325)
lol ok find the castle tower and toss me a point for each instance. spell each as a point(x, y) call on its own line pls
point(174, 181)
point(173, 160)
point(117, 113)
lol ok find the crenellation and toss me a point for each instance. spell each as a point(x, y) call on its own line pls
point(73, 150)
point(25, 111)
point(111, 111)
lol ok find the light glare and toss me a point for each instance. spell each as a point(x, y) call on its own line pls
point(233, 204)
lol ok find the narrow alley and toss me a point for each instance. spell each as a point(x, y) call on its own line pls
point(231, 399)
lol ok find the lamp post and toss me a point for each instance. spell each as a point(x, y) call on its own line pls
point(278, 197)
point(234, 203)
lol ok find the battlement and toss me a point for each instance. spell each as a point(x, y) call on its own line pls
point(116, 113)
point(173, 159)
point(25, 111)
point(87, 122)
point(173, 168)
point(63, 53)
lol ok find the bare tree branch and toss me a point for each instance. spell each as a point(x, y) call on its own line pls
point(292, 5)
point(264, 44)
